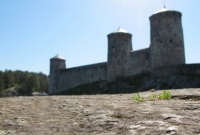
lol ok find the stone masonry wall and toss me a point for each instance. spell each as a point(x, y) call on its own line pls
point(167, 42)
point(139, 62)
point(178, 69)
point(72, 77)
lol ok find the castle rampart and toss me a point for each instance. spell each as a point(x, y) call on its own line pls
point(166, 55)
point(139, 61)
point(72, 77)
point(191, 69)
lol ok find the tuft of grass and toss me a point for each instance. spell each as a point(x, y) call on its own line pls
point(165, 95)
point(153, 97)
point(138, 98)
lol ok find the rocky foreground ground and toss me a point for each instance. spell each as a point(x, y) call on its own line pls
point(101, 114)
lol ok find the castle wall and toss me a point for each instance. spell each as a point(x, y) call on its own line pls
point(139, 62)
point(72, 77)
point(165, 56)
point(178, 69)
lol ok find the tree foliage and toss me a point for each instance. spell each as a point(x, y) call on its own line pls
point(25, 82)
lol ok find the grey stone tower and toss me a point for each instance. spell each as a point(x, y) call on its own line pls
point(119, 48)
point(56, 63)
point(167, 44)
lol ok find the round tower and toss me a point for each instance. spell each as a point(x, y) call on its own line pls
point(56, 63)
point(119, 47)
point(167, 43)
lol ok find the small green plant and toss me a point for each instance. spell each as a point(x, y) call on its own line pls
point(153, 97)
point(138, 98)
point(165, 95)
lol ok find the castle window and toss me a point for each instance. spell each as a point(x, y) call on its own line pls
point(54, 84)
point(161, 41)
point(175, 35)
point(175, 20)
point(100, 78)
point(170, 40)
point(91, 76)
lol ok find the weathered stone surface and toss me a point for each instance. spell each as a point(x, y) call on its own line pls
point(2, 132)
point(101, 114)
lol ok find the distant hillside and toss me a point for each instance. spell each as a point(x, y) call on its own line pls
point(141, 82)
point(23, 82)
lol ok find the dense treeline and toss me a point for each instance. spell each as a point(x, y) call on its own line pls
point(25, 82)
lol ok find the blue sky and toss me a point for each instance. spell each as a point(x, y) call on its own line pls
point(33, 31)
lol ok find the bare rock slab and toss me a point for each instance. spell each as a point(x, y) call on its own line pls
point(101, 114)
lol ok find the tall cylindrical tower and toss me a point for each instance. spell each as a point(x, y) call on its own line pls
point(167, 42)
point(56, 63)
point(119, 47)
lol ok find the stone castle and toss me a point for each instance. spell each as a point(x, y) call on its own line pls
point(166, 50)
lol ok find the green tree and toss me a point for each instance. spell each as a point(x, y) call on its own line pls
point(9, 79)
point(26, 82)
point(2, 85)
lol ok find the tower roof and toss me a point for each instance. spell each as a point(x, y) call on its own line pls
point(163, 10)
point(58, 57)
point(120, 30)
